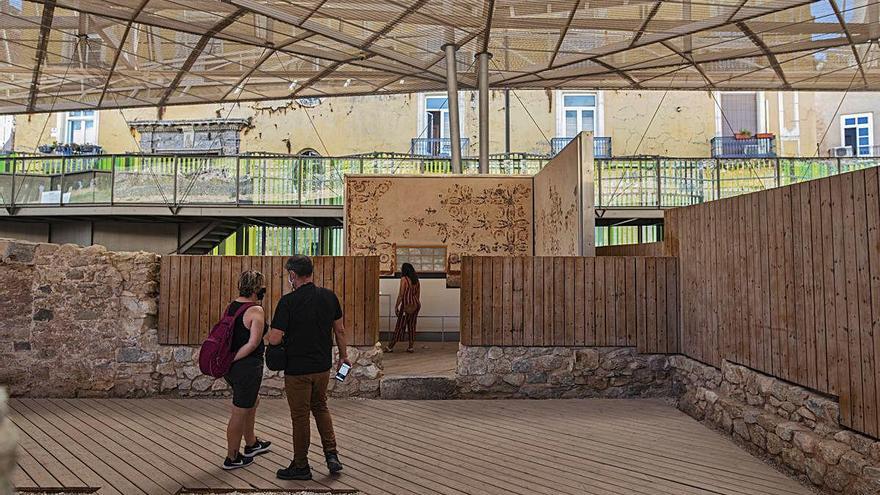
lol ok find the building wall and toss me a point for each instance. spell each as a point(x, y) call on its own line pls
point(827, 119)
point(466, 214)
point(684, 123)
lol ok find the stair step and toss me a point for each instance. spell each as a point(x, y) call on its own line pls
point(418, 388)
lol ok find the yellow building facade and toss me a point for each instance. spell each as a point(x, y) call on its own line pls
point(673, 123)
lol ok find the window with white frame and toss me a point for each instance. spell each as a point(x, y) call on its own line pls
point(857, 133)
point(435, 119)
point(79, 127)
point(579, 112)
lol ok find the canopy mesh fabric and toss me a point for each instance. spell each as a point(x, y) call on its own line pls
point(84, 54)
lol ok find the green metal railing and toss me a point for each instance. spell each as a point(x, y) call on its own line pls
point(286, 180)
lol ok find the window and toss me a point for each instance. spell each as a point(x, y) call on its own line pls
point(436, 122)
point(578, 114)
point(308, 152)
point(856, 132)
point(431, 259)
point(739, 111)
point(79, 127)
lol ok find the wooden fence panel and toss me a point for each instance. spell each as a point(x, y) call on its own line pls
point(786, 281)
point(654, 249)
point(567, 301)
point(195, 290)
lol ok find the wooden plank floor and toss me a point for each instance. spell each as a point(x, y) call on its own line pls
point(429, 359)
point(593, 447)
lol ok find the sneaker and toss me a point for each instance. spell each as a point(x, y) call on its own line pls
point(294, 473)
point(333, 463)
point(240, 461)
point(261, 447)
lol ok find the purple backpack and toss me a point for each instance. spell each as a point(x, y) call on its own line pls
point(215, 357)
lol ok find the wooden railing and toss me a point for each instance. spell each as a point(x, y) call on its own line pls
point(570, 301)
point(787, 282)
point(194, 291)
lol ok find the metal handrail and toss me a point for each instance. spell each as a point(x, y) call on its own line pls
point(291, 180)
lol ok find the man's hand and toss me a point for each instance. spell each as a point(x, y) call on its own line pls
point(343, 359)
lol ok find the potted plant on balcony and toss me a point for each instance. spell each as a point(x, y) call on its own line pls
point(743, 134)
point(765, 135)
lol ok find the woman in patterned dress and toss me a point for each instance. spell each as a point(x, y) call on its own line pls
point(407, 307)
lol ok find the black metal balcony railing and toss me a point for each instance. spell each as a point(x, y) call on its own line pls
point(436, 146)
point(601, 146)
point(753, 147)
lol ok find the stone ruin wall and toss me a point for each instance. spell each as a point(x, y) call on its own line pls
point(562, 372)
point(796, 429)
point(82, 322)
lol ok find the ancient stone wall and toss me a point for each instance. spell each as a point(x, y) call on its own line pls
point(562, 372)
point(81, 322)
point(798, 430)
point(8, 441)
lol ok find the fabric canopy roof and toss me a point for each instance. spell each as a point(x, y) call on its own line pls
point(85, 54)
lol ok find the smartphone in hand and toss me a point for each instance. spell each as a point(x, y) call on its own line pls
point(343, 372)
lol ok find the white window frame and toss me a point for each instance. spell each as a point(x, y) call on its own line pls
point(64, 117)
point(421, 130)
point(760, 106)
point(869, 125)
point(598, 112)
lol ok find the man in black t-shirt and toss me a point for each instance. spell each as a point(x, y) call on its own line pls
point(308, 317)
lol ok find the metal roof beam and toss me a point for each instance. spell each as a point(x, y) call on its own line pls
point(849, 38)
point(635, 84)
point(771, 57)
point(690, 60)
point(654, 9)
point(564, 32)
point(119, 50)
point(45, 31)
point(338, 36)
point(684, 30)
point(197, 52)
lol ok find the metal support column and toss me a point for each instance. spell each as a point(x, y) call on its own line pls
point(452, 92)
point(507, 121)
point(483, 86)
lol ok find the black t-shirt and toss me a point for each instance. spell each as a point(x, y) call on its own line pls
point(241, 334)
point(306, 317)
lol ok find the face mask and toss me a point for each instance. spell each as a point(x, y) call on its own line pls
point(261, 294)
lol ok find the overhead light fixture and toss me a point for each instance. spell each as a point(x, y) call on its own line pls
point(293, 84)
point(347, 83)
point(402, 81)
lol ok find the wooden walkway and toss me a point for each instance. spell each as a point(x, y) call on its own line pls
point(593, 447)
point(430, 359)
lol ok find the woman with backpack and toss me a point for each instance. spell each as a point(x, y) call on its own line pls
point(246, 373)
point(407, 307)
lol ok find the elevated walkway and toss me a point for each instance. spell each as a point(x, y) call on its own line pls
point(297, 190)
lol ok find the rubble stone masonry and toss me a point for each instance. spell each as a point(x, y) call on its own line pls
point(796, 429)
point(562, 372)
point(82, 322)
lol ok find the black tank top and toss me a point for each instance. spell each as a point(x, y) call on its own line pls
point(241, 334)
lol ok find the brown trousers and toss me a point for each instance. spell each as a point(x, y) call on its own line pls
point(308, 393)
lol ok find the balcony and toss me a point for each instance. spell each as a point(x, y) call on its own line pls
point(753, 147)
point(601, 146)
point(435, 146)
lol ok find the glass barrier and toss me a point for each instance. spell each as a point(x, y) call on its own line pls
point(206, 180)
point(144, 179)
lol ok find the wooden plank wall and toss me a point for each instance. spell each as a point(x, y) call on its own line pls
point(570, 301)
point(787, 281)
point(194, 291)
point(643, 249)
